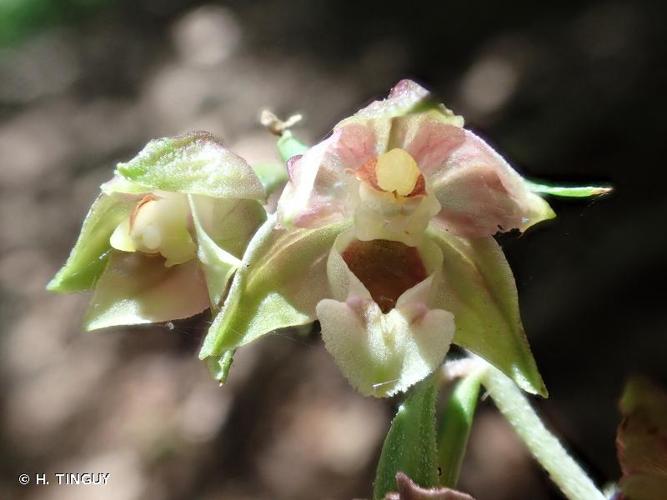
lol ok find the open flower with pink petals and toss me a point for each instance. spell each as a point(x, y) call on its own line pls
point(384, 233)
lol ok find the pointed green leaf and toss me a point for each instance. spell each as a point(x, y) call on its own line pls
point(281, 280)
point(481, 293)
point(194, 163)
point(88, 258)
point(136, 289)
point(568, 191)
point(455, 425)
point(410, 443)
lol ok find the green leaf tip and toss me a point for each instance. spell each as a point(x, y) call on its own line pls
point(220, 366)
point(568, 191)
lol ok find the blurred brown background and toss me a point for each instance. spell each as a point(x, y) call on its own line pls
point(567, 93)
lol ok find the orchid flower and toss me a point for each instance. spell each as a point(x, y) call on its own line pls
point(166, 234)
point(384, 233)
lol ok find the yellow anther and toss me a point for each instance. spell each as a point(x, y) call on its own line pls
point(397, 172)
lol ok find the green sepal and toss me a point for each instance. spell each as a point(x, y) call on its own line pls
point(218, 265)
point(137, 289)
point(220, 366)
point(480, 291)
point(410, 445)
point(281, 279)
point(567, 191)
point(289, 146)
point(89, 256)
point(194, 163)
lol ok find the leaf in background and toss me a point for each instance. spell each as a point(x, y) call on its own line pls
point(568, 191)
point(410, 443)
point(642, 441)
point(194, 163)
point(479, 290)
point(89, 256)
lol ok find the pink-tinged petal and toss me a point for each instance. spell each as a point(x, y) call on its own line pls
point(481, 194)
point(392, 119)
point(432, 142)
point(322, 188)
point(136, 289)
point(356, 145)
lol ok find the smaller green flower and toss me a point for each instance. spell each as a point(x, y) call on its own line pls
point(166, 233)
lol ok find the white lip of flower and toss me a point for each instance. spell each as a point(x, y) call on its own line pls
point(384, 350)
point(158, 225)
point(394, 202)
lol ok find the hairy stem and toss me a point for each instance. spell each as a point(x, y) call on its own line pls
point(545, 447)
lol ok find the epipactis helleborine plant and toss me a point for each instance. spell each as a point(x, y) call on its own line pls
point(166, 234)
point(384, 233)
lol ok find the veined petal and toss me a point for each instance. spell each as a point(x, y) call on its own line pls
point(478, 288)
point(194, 163)
point(383, 353)
point(88, 258)
point(481, 194)
point(429, 137)
point(320, 191)
point(281, 279)
point(136, 289)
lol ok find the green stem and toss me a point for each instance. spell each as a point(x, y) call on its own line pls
point(545, 447)
point(455, 427)
point(289, 146)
